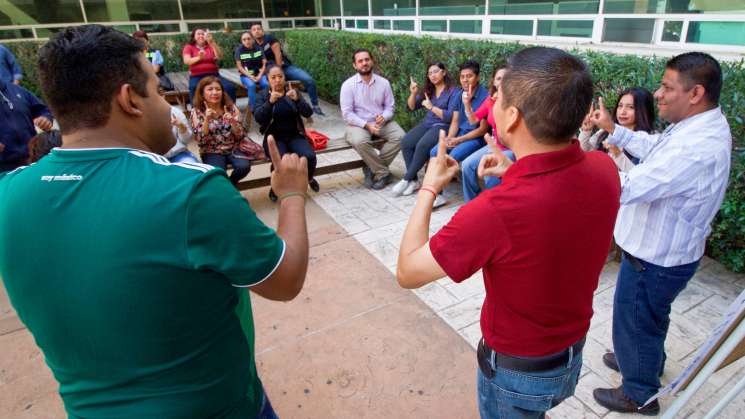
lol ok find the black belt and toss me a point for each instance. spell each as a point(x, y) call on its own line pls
point(634, 261)
point(524, 364)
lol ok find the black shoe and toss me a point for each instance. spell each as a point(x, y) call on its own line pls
point(272, 195)
point(368, 182)
point(610, 361)
point(382, 182)
point(318, 111)
point(615, 399)
point(314, 185)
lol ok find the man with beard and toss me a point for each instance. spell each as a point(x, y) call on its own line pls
point(367, 105)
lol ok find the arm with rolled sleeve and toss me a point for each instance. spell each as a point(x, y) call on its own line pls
point(346, 103)
point(673, 173)
point(638, 143)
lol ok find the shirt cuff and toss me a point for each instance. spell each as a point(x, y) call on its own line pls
point(620, 137)
point(18, 77)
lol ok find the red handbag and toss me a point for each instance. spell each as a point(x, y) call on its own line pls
point(317, 140)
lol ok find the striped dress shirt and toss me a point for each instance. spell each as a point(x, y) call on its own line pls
point(670, 198)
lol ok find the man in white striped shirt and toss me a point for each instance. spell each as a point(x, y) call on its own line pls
point(667, 204)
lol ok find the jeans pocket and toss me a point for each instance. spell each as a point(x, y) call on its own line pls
point(509, 400)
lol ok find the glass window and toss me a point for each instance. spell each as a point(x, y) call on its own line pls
point(355, 8)
point(16, 33)
point(363, 24)
point(328, 23)
point(126, 10)
point(221, 9)
point(569, 28)
point(289, 8)
point(306, 23)
point(330, 8)
point(349, 23)
point(393, 7)
point(24, 12)
point(125, 28)
point(465, 26)
point(542, 7)
point(512, 27)
point(403, 25)
point(47, 32)
point(628, 30)
point(160, 27)
point(721, 33)
point(280, 24)
point(434, 26)
point(382, 24)
point(672, 30)
point(213, 26)
point(635, 6)
point(704, 6)
point(451, 7)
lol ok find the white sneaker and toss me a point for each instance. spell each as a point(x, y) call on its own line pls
point(411, 187)
point(399, 187)
point(439, 201)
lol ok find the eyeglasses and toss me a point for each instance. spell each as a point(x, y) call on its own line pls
point(433, 72)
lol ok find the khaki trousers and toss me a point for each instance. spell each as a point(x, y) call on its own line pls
point(378, 161)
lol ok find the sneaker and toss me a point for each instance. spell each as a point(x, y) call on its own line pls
point(411, 187)
point(318, 111)
point(439, 201)
point(399, 187)
point(314, 185)
point(382, 182)
point(368, 182)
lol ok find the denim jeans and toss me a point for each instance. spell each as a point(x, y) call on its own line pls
point(641, 316)
point(298, 145)
point(515, 394)
point(415, 147)
point(462, 150)
point(227, 86)
point(184, 156)
point(297, 73)
point(469, 175)
point(241, 167)
point(250, 86)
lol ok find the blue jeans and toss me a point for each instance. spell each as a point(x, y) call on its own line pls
point(515, 394)
point(227, 86)
point(641, 316)
point(462, 150)
point(241, 167)
point(298, 145)
point(469, 173)
point(250, 86)
point(184, 156)
point(415, 146)
point(297, 73)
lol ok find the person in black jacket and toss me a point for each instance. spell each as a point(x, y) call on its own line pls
point(279, 112)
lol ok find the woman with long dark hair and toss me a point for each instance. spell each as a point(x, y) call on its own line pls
point(218, 128)
point(440, 99)
point(635, 111)
point(201, 54)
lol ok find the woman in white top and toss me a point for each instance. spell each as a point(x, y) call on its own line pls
point(635, 111)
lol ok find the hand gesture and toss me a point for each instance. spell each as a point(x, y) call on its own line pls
point(413, 87)
point(290, 171)
point(379, 121)
point(426, 103)
point(601, 118)
point(587, 125)
point(234, 118)
point(613, 150)
point(373, 129)
point(468, 95)
point(442, 168)
point(495, 163)
point(292, 94)
point(451, 142)
point(275, 96)
point(43, 123)
point(201, 54)
point(210, 114)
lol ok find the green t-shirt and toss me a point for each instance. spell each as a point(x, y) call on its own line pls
point(127, 271)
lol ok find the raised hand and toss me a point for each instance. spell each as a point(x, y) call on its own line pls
point(292, 94)
point(275, 96)
point(495, 163)
point(601, 118)
point(426, 103)
point(587, 124)
point(442, 168)
point(290, 173)
point(468, 95)
point(413, 86)
point(43, 123)
point(210, 114)
point(614, 150)
point(234, 118)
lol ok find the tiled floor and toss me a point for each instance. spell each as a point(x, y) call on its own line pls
point(377, 220)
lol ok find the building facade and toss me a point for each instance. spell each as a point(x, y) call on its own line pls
point(712, 25)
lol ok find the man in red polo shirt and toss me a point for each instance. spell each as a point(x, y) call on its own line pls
point(541, 237)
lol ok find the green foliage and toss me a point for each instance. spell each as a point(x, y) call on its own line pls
point(327, 55)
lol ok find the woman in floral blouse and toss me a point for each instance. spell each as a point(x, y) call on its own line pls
point(218, 128)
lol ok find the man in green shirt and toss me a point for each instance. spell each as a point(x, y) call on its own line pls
point(129, 270)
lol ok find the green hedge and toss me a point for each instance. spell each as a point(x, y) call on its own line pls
point(327, 55)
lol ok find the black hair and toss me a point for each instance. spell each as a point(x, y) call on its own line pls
point(551, 88)
point(643, 111)
point(252, 24)
point(472, 65)
point(82, 67)
point(699, 68)
point(41, 144)
point(429, 88)
point(358, 50)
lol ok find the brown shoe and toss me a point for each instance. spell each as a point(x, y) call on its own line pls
point(615, 399)
point(609, 359)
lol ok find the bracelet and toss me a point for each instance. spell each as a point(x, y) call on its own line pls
point(428, 189)
point(291, 194)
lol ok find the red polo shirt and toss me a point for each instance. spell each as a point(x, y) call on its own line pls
point(207, 65)
point(542, 237)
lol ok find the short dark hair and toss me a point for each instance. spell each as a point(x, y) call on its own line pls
point(470, 65)
point(551, 88)
point(699, 68)
point(82, 67)
point(252, 24)
point(359, 50)
point(41, 144)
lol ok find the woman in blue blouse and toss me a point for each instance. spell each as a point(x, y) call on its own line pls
point(440, 100)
